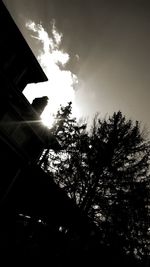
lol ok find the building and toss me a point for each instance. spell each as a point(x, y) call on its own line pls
point(28, 197)
point(18, 67)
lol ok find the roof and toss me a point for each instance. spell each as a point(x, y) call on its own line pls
point(17, 59)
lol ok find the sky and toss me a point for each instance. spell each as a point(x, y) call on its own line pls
point(95, 53)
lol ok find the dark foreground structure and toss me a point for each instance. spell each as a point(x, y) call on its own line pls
point(38, 222)
point(36, 216)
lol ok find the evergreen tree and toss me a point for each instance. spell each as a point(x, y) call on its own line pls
point(106, 173)
point(119, 201)
point(63, 165)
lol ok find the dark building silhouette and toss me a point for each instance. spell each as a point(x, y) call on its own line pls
point(18, 67)
point(29, 199)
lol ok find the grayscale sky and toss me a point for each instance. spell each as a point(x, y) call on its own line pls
point(108, 43)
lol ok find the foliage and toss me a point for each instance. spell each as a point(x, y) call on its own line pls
point(106, 172)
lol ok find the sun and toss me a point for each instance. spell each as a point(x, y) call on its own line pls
point(60, 96)
point(48, 117)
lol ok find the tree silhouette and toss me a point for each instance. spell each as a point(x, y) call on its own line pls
point(120, 160)
point(106, 172)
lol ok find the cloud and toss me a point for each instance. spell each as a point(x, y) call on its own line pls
point(62, 83)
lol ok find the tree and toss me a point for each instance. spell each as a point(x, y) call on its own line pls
point(61, 164)
point(120, 161)
point(106, 173)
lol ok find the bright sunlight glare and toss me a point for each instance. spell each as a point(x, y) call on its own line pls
point(61, 82)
